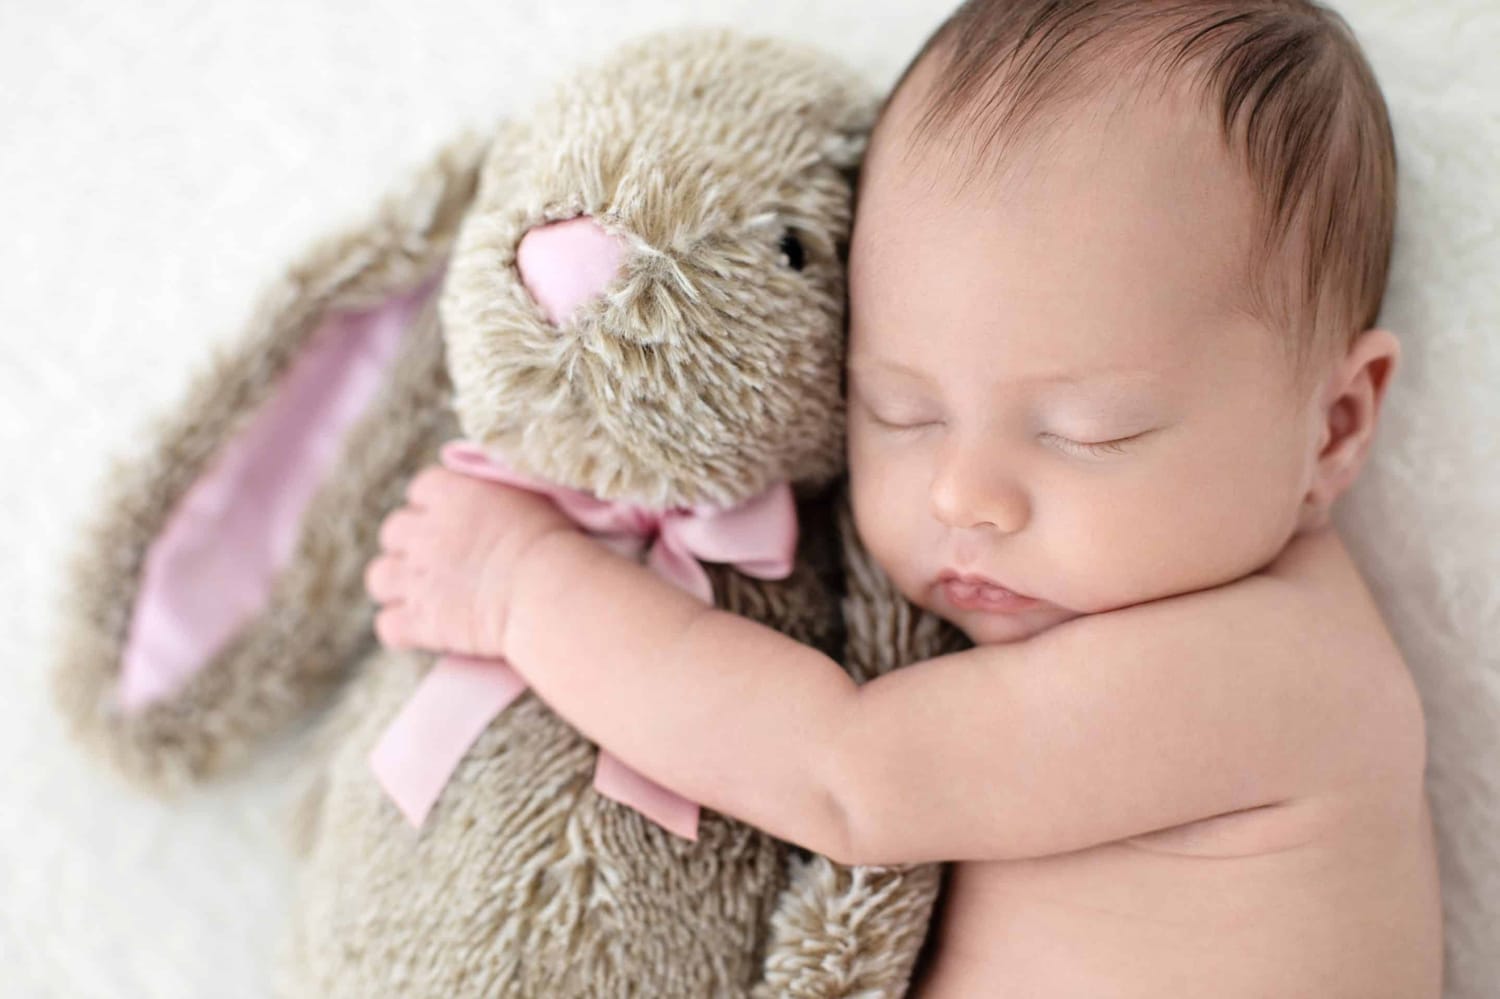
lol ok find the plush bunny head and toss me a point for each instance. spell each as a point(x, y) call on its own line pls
point(646, 299)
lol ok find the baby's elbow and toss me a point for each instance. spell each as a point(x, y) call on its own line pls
point(830, 835)
point(833, 831)
point(860, 813)
point(850, 830)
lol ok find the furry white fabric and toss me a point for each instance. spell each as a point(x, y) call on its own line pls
point(162, 161)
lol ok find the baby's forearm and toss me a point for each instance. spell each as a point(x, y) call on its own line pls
point(723, 710)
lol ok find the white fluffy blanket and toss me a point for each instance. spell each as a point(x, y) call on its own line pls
point(160, 161)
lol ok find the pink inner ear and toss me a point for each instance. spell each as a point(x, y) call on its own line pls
point(214, 564)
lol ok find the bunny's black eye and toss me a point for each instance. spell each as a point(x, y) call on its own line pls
point(791, 248)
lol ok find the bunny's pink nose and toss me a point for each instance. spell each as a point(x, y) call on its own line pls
point(565, 264)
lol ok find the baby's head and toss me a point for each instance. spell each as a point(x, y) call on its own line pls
point(1113, 281)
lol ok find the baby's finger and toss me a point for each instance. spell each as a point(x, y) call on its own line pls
point(390, 627)
point(396, 529)
point(425, 484)
point(383, 578)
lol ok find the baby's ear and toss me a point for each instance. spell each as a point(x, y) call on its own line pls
point(1351, 399)
point(218, 590)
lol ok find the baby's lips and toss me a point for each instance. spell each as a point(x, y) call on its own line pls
point(973, 582)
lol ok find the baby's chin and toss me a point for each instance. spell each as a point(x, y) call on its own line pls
point(993, 628)
point(1000, 629)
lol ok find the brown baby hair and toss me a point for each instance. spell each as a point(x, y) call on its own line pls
point(1294, 94)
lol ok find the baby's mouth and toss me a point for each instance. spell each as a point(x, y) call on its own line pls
point(973, 592)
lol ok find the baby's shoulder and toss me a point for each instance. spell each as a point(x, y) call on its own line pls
point(1342, 633)
point(1317, 635)
point(1317, 577)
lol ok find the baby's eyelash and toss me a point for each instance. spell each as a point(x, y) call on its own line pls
point(888, 425)
point(1100, 447)
point(1115, 446)
point(903, 427)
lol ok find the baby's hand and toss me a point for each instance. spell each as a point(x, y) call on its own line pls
point(445, 572)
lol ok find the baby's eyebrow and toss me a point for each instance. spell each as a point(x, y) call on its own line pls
point(1115, 379)
point(857, 365)
point(1113, 373)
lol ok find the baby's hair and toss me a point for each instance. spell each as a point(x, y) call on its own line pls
point(1289, 84)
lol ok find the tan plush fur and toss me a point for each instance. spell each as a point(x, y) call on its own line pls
point(709, 370)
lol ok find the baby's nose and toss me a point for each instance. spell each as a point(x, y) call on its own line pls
point(565, 264)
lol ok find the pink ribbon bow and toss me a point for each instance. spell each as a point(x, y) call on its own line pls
point(461, 695)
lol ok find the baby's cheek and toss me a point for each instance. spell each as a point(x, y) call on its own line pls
point(872, 483)
point(887, 523)
point(1151, 550)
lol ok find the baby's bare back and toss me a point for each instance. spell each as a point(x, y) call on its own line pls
point(1330, 893)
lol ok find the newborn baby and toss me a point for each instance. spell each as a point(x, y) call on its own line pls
point(1113, 282)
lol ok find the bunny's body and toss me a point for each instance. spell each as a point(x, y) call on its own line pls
point(523, 872)
point(706, 371)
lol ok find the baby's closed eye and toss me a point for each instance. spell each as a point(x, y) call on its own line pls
point(896, 415)
point(897, 421)
point(1115, 446)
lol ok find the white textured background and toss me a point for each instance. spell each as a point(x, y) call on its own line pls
point(159, 162)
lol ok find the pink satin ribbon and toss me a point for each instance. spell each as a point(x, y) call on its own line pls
point(461, 695)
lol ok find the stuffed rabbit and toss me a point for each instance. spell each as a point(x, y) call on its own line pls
point(220, 596)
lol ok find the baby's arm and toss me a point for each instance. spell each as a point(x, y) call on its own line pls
point(1107, 726)
point(1110, 726)
point(719, 708)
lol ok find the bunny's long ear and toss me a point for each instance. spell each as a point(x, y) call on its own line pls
point(218, 591)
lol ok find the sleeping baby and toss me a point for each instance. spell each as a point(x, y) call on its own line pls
point(1113, 282)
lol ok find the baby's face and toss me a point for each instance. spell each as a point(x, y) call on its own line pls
point(1052, 381)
